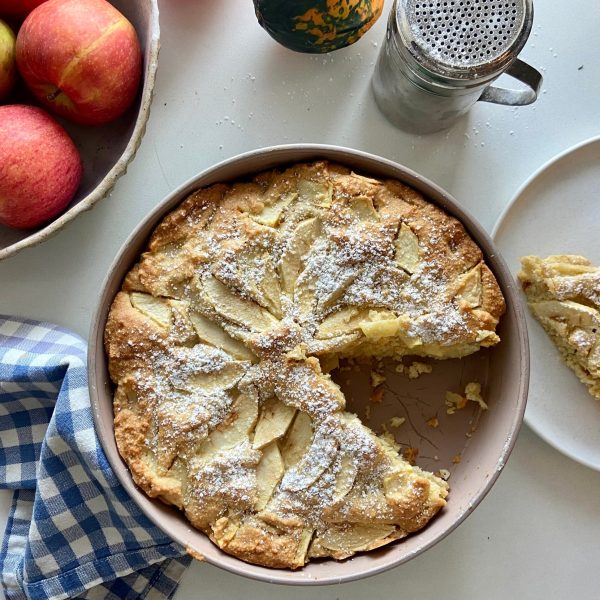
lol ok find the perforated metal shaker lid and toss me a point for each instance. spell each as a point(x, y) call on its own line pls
point(464, 39)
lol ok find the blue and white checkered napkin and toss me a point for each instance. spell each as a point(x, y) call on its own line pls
point(72, 532)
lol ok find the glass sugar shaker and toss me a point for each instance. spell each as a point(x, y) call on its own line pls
point(440, 56)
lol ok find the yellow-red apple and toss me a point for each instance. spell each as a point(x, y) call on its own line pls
point(17, 9)
point(81, 59)
point(40, 167)
point(8, 70)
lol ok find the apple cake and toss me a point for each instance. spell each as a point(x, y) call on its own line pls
point(563, 293)
point(222, 336)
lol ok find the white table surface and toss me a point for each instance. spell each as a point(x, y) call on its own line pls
point(225, 87)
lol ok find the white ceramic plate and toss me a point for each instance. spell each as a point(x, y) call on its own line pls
point(557, 211)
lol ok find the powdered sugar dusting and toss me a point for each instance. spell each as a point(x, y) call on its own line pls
point(204, 404)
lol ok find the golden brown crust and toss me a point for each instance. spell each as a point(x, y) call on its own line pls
point(265, 546)
point(216, 340)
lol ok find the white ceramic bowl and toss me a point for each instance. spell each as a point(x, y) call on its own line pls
point(503, 371)
point(105, 150)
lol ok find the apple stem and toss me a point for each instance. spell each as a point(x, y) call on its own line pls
point(54, 95)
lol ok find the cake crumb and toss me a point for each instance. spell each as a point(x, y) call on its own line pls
point(410, 454)
point(399, 368)
point(368, 412)
point(443, 474)
point(454, 402)
point(377, 379)
point(456, 459)
point(433, 422)
point(195, 554)
point(416, 369)
point(377, 395)
point(397, 421)
point(472, 393)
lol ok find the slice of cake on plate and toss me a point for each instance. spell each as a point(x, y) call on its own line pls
point(563, 292)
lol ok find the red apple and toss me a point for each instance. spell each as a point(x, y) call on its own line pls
point(17, 9)
point(8, 70)
point(81, 59)
point(40, 167)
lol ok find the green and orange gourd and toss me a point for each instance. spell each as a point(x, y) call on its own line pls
point(317, 26)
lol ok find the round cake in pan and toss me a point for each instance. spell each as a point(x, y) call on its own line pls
point(221, 341)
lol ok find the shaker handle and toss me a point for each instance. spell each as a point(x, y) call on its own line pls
point(526, 74)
